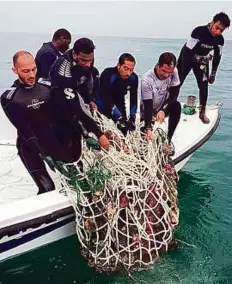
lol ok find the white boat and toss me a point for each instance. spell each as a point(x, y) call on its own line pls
point(28, 221)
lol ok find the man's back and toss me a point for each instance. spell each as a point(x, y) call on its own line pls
point(45, 58)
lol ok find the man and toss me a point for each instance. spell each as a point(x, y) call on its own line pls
point(159, 92)
point(74, 72)
point(115, 82)
point(29, 107)
point(51, 51)
point(195, 55)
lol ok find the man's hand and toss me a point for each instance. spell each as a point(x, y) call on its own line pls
point(131, 124)
point(160, 116)
point(92, 106)
point(149, 135)
point(104, 142)
point(212, 77)
point(122, 125)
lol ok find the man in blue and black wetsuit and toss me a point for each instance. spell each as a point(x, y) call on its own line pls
point(51, 51)
point(115, 82)
point(195, 55)
point(74, 73)
point(30, 107)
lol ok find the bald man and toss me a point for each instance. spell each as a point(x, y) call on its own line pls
point(29, 107)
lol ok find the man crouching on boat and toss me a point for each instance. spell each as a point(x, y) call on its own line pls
point(29, 107)
point(159, 92)
point(115, 82)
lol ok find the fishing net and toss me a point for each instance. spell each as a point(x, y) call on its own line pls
point(125, 199)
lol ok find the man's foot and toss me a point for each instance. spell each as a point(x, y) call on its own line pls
point(203, 117)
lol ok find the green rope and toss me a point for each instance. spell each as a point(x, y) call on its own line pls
point(93, 143)
point(189, 110)
point(92, 180)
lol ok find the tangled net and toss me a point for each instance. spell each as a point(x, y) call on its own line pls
point(125, 200)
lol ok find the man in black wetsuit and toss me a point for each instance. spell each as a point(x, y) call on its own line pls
point(29, 106)
point(51, 51)
point(195, 55)
point(115, 82)
point(74, 73)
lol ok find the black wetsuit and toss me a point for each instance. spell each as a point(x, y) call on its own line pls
point(195, 55)
point(65, 73)
point(71, 88)
point(29, 110)
point(111, 98)
point(45, 58)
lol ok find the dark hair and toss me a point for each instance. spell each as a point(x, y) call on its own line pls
point(124, 57)
point(18, 54)
point(223, 19)
point(61, 33)
point(167, 58)
point(84, 45)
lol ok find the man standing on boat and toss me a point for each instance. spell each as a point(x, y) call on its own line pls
point(195, 55)
point(51, 51)
point(29, 106)
point(159, 92)
point(115, 82)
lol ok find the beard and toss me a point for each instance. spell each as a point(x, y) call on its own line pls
point(63, 49)
point(29, 82)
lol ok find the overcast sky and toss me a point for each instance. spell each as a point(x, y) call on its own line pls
point(111, 18)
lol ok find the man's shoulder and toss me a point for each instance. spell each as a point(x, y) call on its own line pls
point(175, 80)
point(44, 82)
point(200, 31)
point(95, 71)
point(109, 74)
point(175, 72)
point(7, 96)
point(46, 48)
point(133, 78)
point(149, 76)
point(108, 71)
point(62, 67)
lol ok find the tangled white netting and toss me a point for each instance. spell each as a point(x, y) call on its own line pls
point(125, 200)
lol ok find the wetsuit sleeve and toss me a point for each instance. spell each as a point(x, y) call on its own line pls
point(174, 91)
point(134, 97)
point(84, 116)
point(147, 98)
point(217, 56)
point(18, 118)
point(173, 95)
point(60, 75)
point(45, 62)
point(105, 87)
point(194, 39)
point(96, 84)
